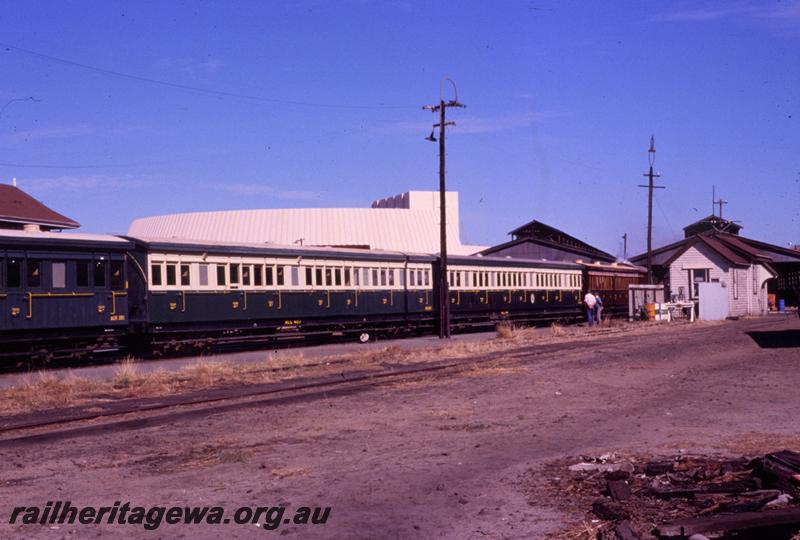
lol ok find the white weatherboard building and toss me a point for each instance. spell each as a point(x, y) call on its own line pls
point(408, 222)
point(727, 264)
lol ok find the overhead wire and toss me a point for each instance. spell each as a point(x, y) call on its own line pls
point(190, 88)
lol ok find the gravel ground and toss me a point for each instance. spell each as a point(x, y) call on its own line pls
point(447, 456)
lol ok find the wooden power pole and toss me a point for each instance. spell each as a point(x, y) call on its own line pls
point(651, 156)
point(444, 289)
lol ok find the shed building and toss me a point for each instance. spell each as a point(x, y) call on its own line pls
point(714, 257)
point(537, 240)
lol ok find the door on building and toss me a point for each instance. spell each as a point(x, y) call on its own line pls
point(713, 301)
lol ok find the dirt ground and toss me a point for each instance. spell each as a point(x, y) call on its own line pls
point(448, 456)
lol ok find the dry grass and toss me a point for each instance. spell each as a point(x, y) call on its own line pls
point(505, 331)
point(46, 391)
point(126, 374)
point(289, 472)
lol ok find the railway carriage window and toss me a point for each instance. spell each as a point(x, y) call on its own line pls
point(309, 276)
point(82, 274)
point(100, 273)
point(258, 275)
point(375, 277)
point(337, 273)
point(59, 271)
point(319, 277)
point(364, 277)
point(328, 277)
point(356, 273)
point(347, 282)
point(221, 275)
point(279, 276)
point(412, 278)
point(246, 274)
point(185, 281)
point(34, 273)
point(390, 273)
point(420, 278)
point(427, 278)
point(295, 276)
point(117, 275)
point(234, 274)
point(171, 276)
point(268, 276)
point(383, 277)
point(402, 278)
point(203, 275)
point(14, 274)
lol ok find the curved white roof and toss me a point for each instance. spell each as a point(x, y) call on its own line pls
point(413, 227)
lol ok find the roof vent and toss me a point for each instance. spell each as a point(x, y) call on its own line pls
point(31, 227)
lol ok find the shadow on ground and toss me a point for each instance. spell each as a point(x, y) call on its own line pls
point(779, 339)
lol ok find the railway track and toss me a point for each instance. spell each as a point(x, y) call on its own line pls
point(137, 413)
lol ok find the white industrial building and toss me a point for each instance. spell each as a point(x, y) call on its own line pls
point(408, 222)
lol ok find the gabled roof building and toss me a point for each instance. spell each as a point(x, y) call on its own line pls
point(748, 269)
point(20, 211)
point(537, 240)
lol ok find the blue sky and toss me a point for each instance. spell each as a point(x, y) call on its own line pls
point(147, 108)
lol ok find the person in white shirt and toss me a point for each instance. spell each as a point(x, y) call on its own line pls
point(589, 301)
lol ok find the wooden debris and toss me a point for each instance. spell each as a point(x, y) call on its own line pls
point(617, 531)
point(624, 531)
point(654, 468)
point(782, 471)
point(690, 490)
point(619, 490)
point(727, 523)
point(610, 510)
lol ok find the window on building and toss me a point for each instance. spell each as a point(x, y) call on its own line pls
point(185, 277)
point(117, 275)
point(34, 273)
point(59, 271)
point(100, 273)
point(203, 275)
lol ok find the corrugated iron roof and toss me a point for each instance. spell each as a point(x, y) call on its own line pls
point(393, 229)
